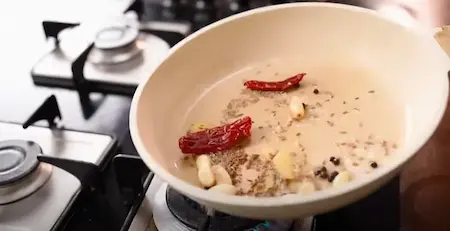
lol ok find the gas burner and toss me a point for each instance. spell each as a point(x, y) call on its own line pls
point(118, 54)
point(19, 158)
point(115, 36)
point(173, 211)
point(20, 171)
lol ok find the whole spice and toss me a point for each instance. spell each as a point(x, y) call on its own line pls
point(373, 164)
point(332, 176)
point(335, 160)
point(323, 175)
point(275, 86)
point(322, 172)
point(216, 139)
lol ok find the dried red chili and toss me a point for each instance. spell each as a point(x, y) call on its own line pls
point(275, 86)
point(216, 139)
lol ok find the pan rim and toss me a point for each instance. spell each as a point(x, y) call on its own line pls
point(246, 201)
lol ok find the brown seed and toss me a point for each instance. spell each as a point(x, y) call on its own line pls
point(335, 160)
point(374, 164)
point(356, 98)
point(332, 176)
point(323, 175)
point(322, 172)
point(316, 91)
point(317, 172)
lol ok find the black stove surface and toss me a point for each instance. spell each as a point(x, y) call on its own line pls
point(379, 211)
point(194, 216)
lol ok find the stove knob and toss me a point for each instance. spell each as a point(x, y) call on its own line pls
point(203, 5)
point(204, 13)
point(170, 3)
point(237, 6)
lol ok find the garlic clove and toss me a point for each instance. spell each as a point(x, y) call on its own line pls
point(283, 163)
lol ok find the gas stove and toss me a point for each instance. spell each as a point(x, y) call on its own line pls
point(165, 209)
point(119, 50)
point(67, 161)
point(111, 55)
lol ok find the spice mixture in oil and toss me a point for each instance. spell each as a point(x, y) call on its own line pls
point(337, 125)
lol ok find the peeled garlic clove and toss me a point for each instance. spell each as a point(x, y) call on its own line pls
point(224, 188)
point(221, 175)
point(306, 187)
point(341, 179)
point(296, 108)
point(198, 127)
point(283, 163)
point(205, 174)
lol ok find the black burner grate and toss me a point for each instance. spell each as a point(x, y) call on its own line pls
point(194, 216)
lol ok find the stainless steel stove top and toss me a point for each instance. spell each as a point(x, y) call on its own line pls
point(128, 68)
point(124, 51)
point(154, 215)
point(40, 210)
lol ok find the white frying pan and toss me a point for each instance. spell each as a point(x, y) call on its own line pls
point(411, 61)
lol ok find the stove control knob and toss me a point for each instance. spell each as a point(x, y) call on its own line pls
point(239, 5)
point(170, 3)
point(203, 5)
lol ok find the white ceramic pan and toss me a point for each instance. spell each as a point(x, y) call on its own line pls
point(409, 60)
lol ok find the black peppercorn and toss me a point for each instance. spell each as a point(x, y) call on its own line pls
point(321, 172)
point(335, 160)
point(323, 175)
point(316, 91)
point(317, 172)
point(332, 176)
point(373, 164)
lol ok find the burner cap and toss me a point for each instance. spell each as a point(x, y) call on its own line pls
point(114, 36)
point(192, 215)
point(119, 55)
point(18, 158)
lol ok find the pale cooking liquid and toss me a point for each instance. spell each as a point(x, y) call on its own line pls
point(351, 118)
